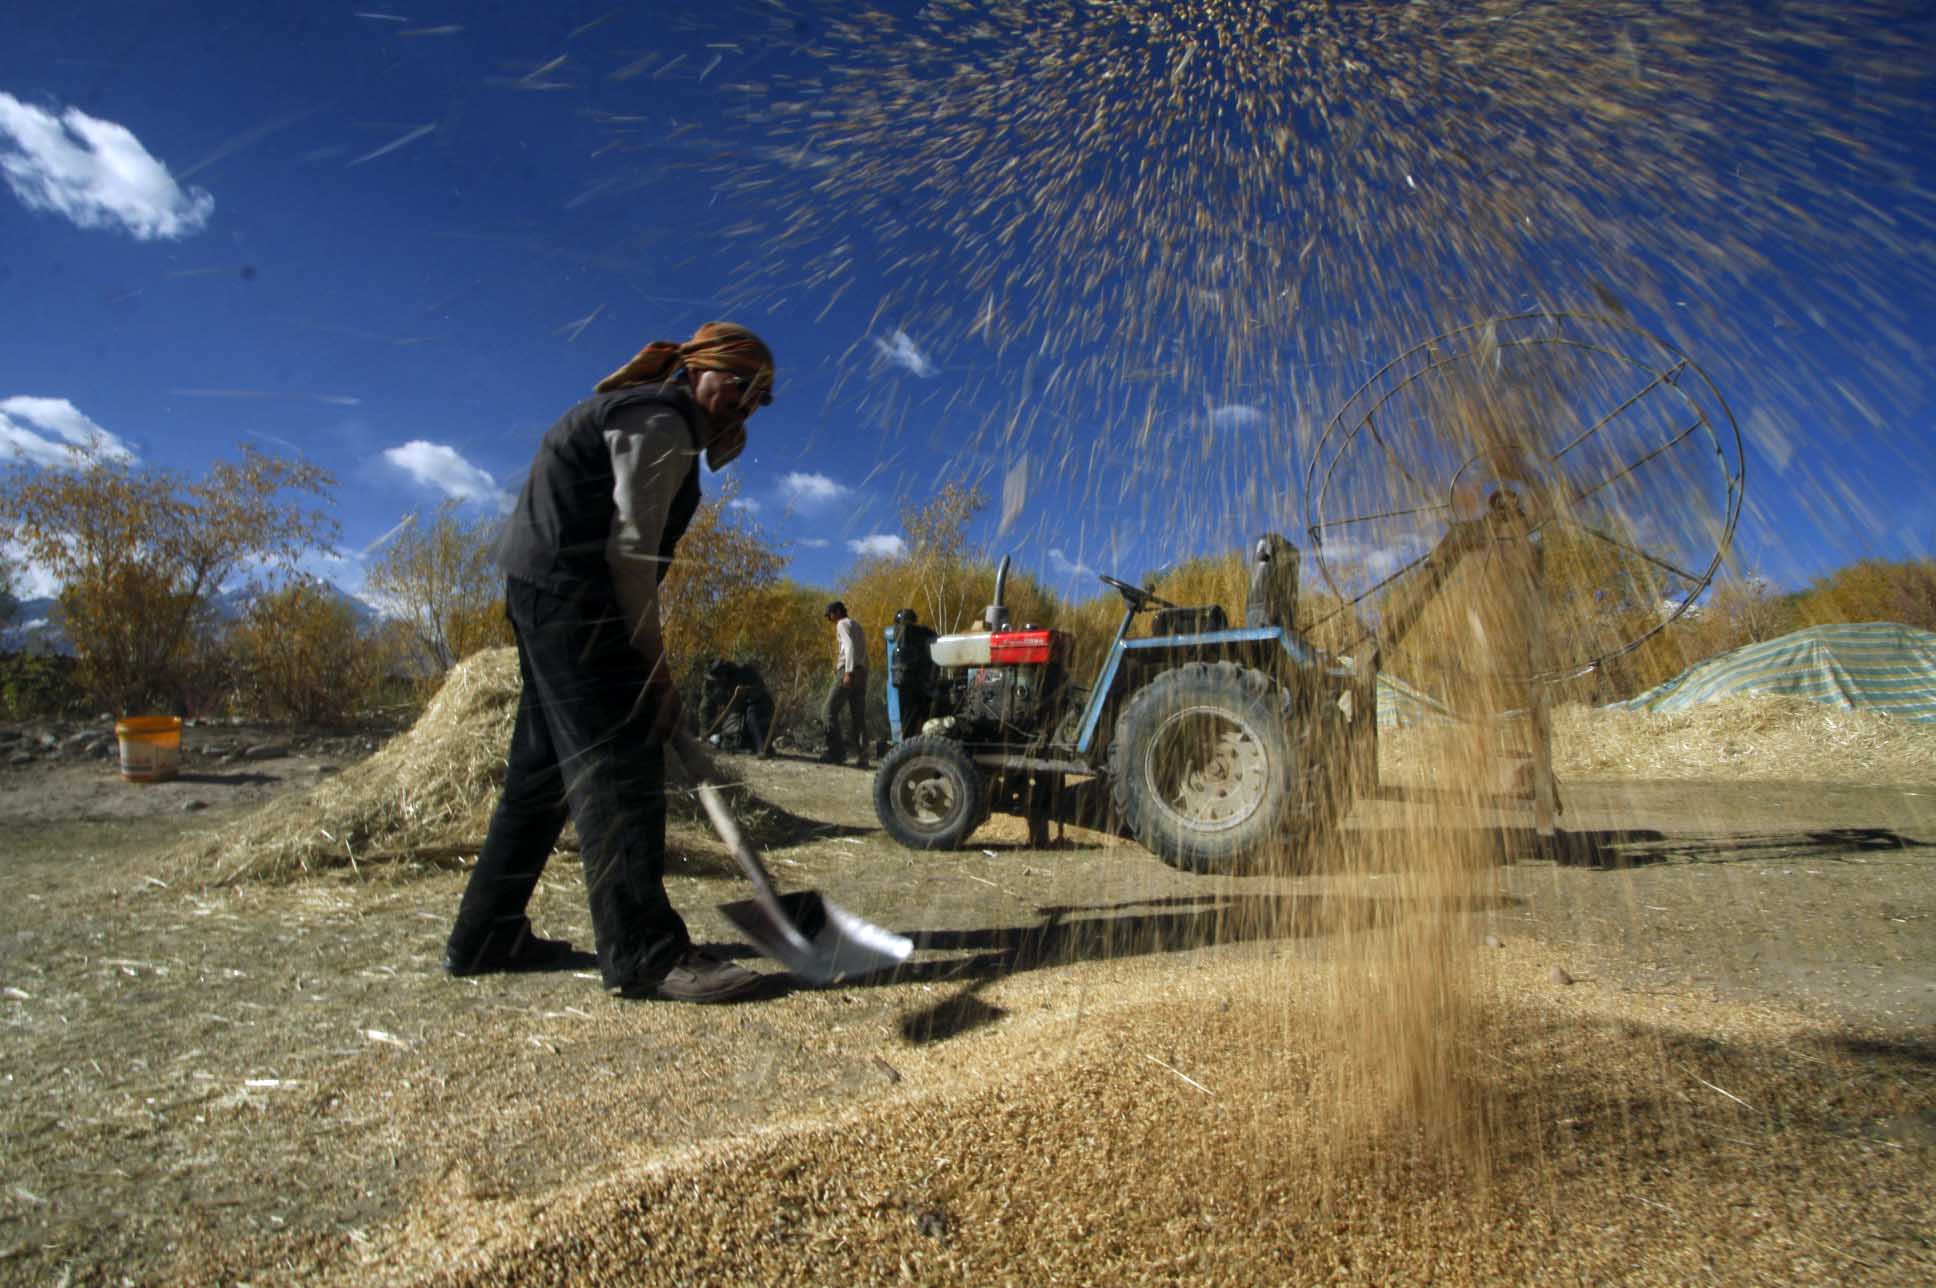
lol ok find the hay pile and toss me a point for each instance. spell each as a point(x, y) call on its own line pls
point(1748, 737)
point(424, 797)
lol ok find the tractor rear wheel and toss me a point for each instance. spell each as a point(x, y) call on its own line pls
point(1206, 772)
point(929, 795)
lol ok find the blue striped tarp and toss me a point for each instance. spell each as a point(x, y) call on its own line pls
point(1859, 666)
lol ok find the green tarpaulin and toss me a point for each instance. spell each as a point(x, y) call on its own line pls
point(1860, 666)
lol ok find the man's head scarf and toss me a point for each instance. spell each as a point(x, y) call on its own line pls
point(716, 346)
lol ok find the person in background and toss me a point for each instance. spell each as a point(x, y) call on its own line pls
point(849, 690)
point(735, 708)
point(912, 669)
point(1272, 598)
point(613, 486)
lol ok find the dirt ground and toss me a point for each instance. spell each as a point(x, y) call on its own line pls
point(276, 1084)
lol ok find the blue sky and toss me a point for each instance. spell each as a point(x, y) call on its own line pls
point(399, 239)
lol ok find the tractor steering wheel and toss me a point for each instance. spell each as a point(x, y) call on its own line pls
point(1137, 597)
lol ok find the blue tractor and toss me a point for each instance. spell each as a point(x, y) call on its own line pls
point(1218, 748)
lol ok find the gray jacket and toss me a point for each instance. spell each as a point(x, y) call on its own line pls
point(613, 486)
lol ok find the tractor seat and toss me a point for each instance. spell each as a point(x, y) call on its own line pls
point(1189, 621)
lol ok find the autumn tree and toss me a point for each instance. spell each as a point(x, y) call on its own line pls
point(140, 554)
point(939, 571)
point(1874, 590)
point(1222, 579)
point(300, 654)
point(9, 597)
point(706, 601)
point(406, 681)
point(780, 628)
point(942, 573)
point(1735, 611)
point(439, 576)
point(725, 598)
point(941, 563)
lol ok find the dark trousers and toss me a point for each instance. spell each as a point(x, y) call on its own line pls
point(914, 709)
point(850, 698)
point(582, 749)
point(759, 725)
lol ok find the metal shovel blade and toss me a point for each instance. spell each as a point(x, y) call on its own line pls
point(818, 941)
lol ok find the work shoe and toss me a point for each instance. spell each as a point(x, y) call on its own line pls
point(504, 951)
point(700, 977)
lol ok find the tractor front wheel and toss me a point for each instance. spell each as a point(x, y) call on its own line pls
point(929, 795)
point(1203, 768)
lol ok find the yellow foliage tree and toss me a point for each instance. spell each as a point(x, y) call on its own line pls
point(1874, 590)
point(1222, 579)
point(300, 655)
point(9, 600)
point(781, 629)
point(1734, 611)
point(440, 578)
point(140, 554)
point(722, 566)
point(941, 574)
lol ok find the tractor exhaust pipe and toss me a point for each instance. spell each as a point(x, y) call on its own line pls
point(996, 614)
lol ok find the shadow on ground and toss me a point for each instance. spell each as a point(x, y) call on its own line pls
point(1371, 848)
point(1071, 934)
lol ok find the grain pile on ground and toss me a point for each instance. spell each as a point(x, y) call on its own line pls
point(274, 1084)
point(1749, 737)
point(1184, 1134)
point(424, 797)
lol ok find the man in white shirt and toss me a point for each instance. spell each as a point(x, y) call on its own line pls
point(849, 690)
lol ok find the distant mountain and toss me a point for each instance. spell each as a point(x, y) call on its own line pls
point(232, 604)
point(36, 627)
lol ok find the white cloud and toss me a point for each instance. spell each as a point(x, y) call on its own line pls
point(1060, 561)
point(1236, 416)
point(810, 491)
point(745, 503)
point(94, 172)
point(30, 580)
point(882, 544)
point(901, 351)
point(437, 466)
point(60, 418)
point(1383, 562)
point(1355, 558)
point(814, 543)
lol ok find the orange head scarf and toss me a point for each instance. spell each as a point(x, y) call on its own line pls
point(716, 346)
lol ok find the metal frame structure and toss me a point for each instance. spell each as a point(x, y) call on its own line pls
point(1504, 529)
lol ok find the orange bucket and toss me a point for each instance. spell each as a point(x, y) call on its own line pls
point(150, 747)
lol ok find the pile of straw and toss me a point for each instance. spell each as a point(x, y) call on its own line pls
point(1747, 737)
point(424, 797)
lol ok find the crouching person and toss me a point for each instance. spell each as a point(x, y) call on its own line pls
point(735, 709)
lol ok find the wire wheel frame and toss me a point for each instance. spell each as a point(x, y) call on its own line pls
point(1653, 371)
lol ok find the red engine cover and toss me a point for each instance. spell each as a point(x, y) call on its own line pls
point(1010, 648)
